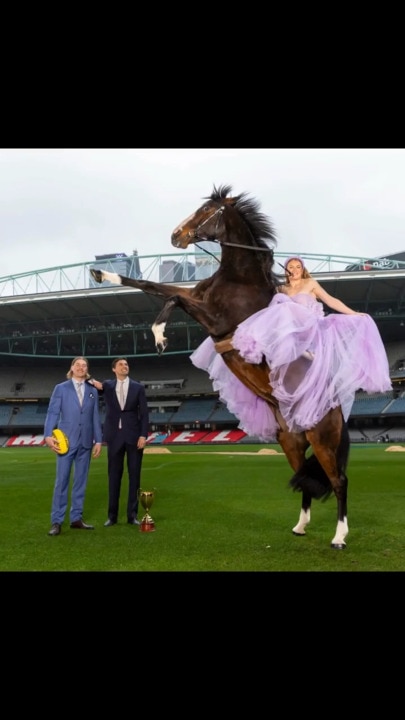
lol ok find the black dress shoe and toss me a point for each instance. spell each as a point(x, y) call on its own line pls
point(109, 522)
point(134, 522)
point(55, 529)
point(80, 525)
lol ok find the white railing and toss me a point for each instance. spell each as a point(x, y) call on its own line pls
point(173, 267)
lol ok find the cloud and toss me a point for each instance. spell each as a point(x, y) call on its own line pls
point(64, 206)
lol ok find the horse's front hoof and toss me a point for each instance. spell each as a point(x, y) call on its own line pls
point(97, 275)
point(338, 546)
point(161, 347)
point(298, 534)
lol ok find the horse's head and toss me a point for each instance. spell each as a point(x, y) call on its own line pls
point(221, 214)
point(206, 223)
point(234, 221)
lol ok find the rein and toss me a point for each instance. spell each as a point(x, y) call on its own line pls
point(245, 247)
point(220, 210)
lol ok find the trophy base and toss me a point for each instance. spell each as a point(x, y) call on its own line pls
point(147, 524)
point(147, 527)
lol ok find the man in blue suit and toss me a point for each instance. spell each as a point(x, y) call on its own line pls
point(125, 431)
point(74, 409)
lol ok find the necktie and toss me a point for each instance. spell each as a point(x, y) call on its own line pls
point(80, 392)
point(122, 398)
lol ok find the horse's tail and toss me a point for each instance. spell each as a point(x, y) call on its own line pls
point(312, 478)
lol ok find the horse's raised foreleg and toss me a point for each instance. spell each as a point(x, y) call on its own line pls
point(191, 300)
point(158, 327)
point(163, 290)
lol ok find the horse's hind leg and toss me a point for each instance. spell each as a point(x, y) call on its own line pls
point(305, 515)
point(342, 528)
point(330, 444)
point(294, 446)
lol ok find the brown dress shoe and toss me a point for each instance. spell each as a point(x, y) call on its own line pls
point(80, 525)
point(55, 529)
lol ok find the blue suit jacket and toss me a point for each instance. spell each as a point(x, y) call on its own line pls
point(134, 417)
point(81, 423)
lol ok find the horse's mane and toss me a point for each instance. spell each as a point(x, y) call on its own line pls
point(260, 226)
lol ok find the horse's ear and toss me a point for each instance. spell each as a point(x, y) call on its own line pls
point(231, 201)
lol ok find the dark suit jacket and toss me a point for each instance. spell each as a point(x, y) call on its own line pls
point(134, 417)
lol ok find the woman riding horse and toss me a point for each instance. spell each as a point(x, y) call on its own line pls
point(316, 362)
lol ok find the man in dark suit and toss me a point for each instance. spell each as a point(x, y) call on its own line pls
point(125, 432)
point(74, 409)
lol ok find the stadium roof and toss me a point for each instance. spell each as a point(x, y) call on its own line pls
point(60, 312)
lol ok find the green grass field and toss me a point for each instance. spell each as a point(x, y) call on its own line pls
point(215, 509)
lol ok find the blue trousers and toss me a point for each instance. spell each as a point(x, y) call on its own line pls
point(79, 459)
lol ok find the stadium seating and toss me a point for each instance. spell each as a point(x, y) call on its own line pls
point(357, 435)
point(195, 411)
point(221, 414)
point(159, 418)
point(370, 405)
point(28, 415)
point(395, 353)
point(5, 414)
point(397, 406)
point(181, 396)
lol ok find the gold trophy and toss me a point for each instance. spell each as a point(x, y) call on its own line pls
point(146, 498)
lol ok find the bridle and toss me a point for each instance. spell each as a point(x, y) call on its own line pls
point(195, 234)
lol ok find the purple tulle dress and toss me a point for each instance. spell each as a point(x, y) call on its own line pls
point(316, 363)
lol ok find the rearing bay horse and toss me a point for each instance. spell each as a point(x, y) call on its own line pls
point(243, 284)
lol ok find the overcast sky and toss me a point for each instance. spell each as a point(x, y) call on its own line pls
point(63, 206)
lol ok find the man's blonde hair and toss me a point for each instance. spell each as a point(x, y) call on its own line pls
point(69, 374)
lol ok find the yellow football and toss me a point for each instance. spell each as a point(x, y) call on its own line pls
point(62, 441)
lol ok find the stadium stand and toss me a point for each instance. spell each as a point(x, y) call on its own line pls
point(29, 415)
point(157, 419)
point(22, 411)
point(5, 415)
point(397, 406)
point(180, 378)
point(29, 383)
point(194, 411)
point(104, 325)
point(396, 434)
point(357, 435)
point(371, 405)
point(395, 353)
point(221, 414)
